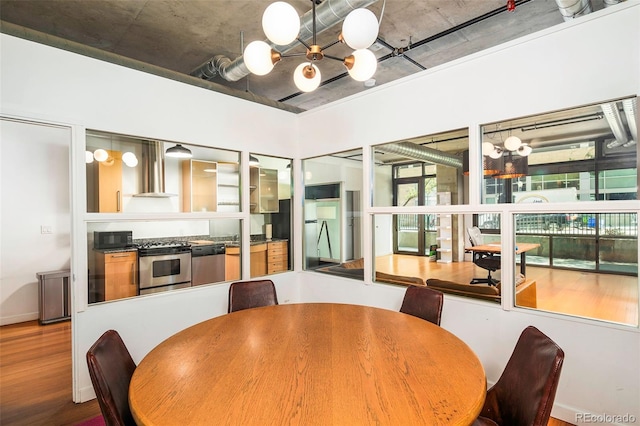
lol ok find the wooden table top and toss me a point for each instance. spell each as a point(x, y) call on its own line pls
point(497, 248)
point(309, 364)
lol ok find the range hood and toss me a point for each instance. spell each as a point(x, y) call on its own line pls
point(152, 171)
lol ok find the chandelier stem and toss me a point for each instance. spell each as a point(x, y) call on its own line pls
point(314, 21)
point(302, 42)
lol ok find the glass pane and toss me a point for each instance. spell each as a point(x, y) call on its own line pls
point(129, 259)
point(585, 264)
point(270, 208)
point(438, 159)
point(332, 214)
point(136, 175)
point(552, 157)
point(447, 267)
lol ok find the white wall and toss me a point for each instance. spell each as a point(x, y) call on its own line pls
point(80, 92)
point(590, 60)
point(574, 64)
point(34, 178)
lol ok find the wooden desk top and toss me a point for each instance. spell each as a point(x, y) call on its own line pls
point(497, 248)
point(308, 364)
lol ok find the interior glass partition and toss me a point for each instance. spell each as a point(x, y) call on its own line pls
point(332, 214)
point(270, 205)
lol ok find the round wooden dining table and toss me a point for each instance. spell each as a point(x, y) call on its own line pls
point(309, 364)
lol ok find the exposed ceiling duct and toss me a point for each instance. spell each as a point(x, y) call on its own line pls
point(612, 114)
point(571, 9)
point(152, 171)
point(608, 3)
point(630, 107)
point(328, 14)
point(422, 153)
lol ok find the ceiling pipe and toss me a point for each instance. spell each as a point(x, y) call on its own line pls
point(571, 9)
point(328, 14)
point(630, 106)
point(612, 114)
point(608, 3)
point(419, 152)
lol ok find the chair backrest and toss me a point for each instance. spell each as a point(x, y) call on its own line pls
point(423, 302)
point(525, 392)
point(111, 367)
point(475, 236)
point(251, 294)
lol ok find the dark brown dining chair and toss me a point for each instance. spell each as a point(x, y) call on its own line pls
point(423, 302)
point(111, 368)
point(526, 389)
point(251, 294)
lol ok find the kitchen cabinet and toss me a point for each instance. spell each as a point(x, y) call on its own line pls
point(258, 260)
point(277, 257)
point(117, 273)
point(107, 196)
point(263, 184)
point(232, 263)
point(199, 186)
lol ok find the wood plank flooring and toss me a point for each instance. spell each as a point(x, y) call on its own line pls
point(592, 295)
point(35, 377)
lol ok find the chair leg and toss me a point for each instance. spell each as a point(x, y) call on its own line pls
point(489, 280)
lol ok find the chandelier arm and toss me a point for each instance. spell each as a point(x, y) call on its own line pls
point(331, 44)
point(335, 58)
point(292, 55)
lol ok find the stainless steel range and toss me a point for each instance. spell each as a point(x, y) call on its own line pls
point(164, 265)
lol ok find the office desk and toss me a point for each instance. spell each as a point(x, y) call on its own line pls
point(309, 364)
point(496, 248)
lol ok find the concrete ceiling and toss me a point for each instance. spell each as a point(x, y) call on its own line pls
point(180, 35)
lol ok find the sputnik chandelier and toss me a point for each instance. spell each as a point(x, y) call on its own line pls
point(512, 143)
point(281, 25)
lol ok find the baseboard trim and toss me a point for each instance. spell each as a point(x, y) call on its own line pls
point(19, 318)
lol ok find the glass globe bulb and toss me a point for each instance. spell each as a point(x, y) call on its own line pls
point(524, 150)
point(88, 157)
point(487, 148)
point(130, 159)
point(257, 58)
point(364, 65)
point(281, 23)
point(496, 153)
point(306, 84)
point(100, 155)
point(360, 29)
point(512, 143)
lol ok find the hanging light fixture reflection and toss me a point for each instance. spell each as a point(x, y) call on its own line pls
point(178, 151)
point(281, 25)
point(514, 167)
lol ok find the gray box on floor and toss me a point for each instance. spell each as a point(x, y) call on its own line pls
point(54, 296)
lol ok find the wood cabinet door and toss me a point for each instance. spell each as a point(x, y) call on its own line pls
point(121, 275)
point(110, 184)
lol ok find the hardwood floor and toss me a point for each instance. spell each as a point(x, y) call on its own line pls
point(592, 295)
point(35, 377)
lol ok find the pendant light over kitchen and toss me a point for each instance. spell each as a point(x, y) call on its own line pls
point(178, 151)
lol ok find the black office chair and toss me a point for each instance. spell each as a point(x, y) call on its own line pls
point(485, 260)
